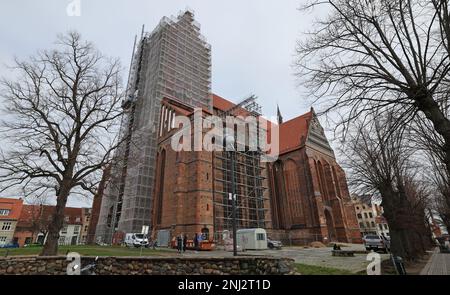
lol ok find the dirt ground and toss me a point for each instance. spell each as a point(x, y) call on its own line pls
point(412, 268)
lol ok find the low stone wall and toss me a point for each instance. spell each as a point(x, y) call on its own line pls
point(244, 265)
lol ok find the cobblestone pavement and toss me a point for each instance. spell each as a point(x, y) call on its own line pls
point(439, 264)
point(310, 256)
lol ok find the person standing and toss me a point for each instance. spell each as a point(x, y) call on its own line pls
point(196, 241)
point(184, 243)
point(179, 244)
point(199, 240)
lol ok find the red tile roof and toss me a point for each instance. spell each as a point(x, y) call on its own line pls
point(293, 133)
point(29, 214)
point(33, 213)
point(14, 205)
point(221, 103)
point(224, 105)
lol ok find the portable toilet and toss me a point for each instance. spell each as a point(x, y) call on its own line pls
point(252, 239)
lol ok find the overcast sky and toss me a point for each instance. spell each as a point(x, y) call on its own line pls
point(253, 41)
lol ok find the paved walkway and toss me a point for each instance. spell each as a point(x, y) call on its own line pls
point(311, 256)
point(439, 264)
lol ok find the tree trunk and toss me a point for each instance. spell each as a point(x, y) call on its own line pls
point(441, 124)
point(446, 221)
point(51, 245)
point(405, 240)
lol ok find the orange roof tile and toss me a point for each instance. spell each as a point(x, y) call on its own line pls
point(292, 132)
point(29, 214)
point(221, 103)
point(13, 205)
point(224, 105)
point(33, 213)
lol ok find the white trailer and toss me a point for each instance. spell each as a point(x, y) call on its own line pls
point(252, 239)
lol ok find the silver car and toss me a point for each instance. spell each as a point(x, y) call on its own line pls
point(272, 244)
point(377, 243)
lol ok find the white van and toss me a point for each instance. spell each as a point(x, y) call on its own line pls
point(252, 239)
point(136, 240)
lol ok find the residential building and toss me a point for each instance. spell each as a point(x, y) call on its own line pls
point(9, 215)
point(370, 216)
point(86, 214)
point(172, 61)
point(32, 226)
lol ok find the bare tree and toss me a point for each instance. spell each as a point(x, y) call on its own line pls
point(370, 56)
point(436, 174)
point(379, 162)
point(38, 224)
point(62, 110)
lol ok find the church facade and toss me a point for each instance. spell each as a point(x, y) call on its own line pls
point(300, 198)
point(310, 200)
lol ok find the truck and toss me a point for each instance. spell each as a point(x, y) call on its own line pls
point(136, 240)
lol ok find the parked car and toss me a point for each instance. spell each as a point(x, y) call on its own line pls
point(272, 244)
point(377, 243)
point(444, 243)
point(136, 240)
point(9, 246)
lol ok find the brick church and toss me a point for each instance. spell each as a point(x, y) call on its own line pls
point(310, 200)
point(300, 198)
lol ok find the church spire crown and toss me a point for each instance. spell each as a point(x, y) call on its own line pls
point(279, 116)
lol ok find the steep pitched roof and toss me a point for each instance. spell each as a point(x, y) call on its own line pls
point(224, 105)
point(29, 214)
point(221, 103)
point(33, 213)
point(293, 133)
point(13, 205)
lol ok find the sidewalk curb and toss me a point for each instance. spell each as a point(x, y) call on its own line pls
point(427, 267)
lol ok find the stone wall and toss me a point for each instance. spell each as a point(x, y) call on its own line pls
point(57, 265)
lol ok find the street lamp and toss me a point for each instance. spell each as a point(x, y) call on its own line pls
point(230, 149)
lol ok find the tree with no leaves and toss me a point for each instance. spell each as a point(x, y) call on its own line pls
point(379, 161)
point(437, 175)
point(370, 56)
point(62, 110)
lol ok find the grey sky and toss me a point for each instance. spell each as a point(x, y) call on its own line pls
point(253, 41)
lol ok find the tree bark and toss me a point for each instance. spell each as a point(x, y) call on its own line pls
point(55, 226)
point(441, 123)
point(406, 240)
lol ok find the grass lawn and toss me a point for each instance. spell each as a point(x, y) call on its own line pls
point(88, 251)
point(305, 269)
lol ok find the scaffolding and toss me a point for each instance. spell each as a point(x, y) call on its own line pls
point(250, 180)
point(172, 61)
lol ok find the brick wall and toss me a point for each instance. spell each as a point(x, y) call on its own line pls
point(57, 265)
